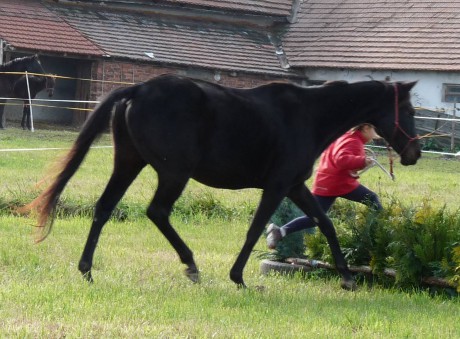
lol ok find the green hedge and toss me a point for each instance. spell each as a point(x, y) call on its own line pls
point(416, 241)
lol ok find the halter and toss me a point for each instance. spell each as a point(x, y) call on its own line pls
point(397, 125)
point(50, 83)
point(398, 128)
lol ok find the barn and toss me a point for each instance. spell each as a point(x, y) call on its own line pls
point(97, 45)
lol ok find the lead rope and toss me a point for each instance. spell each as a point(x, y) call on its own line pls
point(390, 155)
point(390, 160)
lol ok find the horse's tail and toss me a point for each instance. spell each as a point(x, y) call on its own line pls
point(96, 124)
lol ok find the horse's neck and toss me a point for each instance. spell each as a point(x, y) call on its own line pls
point(39, 81)
point(345, 112)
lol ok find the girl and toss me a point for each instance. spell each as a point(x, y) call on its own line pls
point(337, 176)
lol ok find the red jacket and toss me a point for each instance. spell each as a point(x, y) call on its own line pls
point(338, 163)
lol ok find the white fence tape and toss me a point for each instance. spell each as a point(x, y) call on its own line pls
point(433, 118)
point(45, 149)
point(54, 100)
point(423, 151)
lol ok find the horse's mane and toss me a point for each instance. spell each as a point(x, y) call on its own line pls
point(12, 63)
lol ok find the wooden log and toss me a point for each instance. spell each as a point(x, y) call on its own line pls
point(433, 281)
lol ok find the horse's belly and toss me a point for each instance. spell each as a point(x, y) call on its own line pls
point(228, 179)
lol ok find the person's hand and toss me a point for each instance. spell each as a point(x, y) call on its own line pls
point(369, 161)
point(354, 174)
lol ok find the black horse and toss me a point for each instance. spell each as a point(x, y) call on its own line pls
point(10, 73)
point(37, 83)
point(267, 137)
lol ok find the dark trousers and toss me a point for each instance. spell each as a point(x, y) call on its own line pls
point(360, 194)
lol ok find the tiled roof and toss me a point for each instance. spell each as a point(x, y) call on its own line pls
point(364, 34)
point(391, 34)
point(265, 7)
point(30, 26)
point(136, 36)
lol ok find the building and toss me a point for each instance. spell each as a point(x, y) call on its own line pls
point(236, 43)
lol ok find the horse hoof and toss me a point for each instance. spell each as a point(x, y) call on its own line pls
point(88, 277)
point(193, 274)
point(241, 286)
point(349, 285)
point(260, 288)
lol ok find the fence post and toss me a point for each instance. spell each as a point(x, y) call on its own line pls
point(30, 104)
point(452, 138)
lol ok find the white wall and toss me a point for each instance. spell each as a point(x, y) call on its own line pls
point(427, 93)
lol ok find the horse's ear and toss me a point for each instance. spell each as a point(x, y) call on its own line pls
point(407, 86)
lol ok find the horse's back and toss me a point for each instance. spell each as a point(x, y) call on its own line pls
point(221, 136)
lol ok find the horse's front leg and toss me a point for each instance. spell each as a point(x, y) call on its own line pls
point(24, 116)
point(2, 114)
point(268, 204)
point(29, 118)
point(303, 198)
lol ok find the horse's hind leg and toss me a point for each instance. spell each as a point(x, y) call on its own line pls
point(303, 198)
point(117, 186)
point(127, 165)
point(168, 191)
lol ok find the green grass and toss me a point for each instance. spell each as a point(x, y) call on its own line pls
point(140, 289)
point(434, 178)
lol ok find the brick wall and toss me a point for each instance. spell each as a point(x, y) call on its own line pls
point(114, 74)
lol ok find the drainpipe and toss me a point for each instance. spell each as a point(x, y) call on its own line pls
point(1, 51)
point(294, 10)
point(279, 52)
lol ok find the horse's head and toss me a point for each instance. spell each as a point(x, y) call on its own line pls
point(397, 126)
point(50, 83)
point(35, 66)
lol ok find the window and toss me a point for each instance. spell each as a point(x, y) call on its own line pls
point(451, 93)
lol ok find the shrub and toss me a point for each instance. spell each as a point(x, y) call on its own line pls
point(416, 241)
point(293, 245)
point(205, 204)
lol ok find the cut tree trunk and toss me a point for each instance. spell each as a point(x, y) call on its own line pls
point(292, 265)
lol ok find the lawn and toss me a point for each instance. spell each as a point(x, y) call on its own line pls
point(140, 290)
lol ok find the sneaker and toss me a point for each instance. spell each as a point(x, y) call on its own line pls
point(273, 236)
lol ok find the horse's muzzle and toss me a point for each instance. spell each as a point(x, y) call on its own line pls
point(410, 156)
